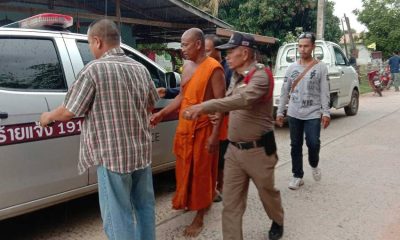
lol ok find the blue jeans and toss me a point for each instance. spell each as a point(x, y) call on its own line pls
point(127, 204)
point(395, 80)
point(312, 129)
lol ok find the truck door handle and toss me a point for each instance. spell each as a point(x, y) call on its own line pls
point(342, 73)
point(335, 74)
point(3, 115)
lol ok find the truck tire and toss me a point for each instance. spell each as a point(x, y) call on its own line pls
point(352, 108)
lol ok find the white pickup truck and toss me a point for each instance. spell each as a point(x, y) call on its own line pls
point(343, 79)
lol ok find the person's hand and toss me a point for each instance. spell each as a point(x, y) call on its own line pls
point(279, 121)
point(214, 118)
point(161, 92)
point(212, 144)
point(192, 112)
point(156, 118)
point(45, 119)
point(325, 121)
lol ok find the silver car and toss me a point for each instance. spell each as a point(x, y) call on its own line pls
point(38, 166)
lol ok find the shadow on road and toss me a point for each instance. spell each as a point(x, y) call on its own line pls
point(52, 221)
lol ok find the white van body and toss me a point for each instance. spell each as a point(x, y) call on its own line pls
point(38, 167)
point(343, 78)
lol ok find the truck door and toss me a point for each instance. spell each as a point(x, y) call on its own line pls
point(345, 73)
point(35, 162)
point(334, 73)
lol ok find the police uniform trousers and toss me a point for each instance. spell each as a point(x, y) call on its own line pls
point(240, 167)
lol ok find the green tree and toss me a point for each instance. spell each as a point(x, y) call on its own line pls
point(277, 18)
point(382, 20)
point(332, 24)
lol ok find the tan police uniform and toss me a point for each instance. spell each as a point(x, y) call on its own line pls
point(250, 117)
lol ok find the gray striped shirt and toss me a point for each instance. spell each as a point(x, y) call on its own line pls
point(114, 94)
point(310, 99)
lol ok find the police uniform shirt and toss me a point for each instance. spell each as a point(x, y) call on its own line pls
point(250, 117)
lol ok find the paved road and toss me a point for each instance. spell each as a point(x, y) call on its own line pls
point(358, 197)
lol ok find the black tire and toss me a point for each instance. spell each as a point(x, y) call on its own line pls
point(352, 108)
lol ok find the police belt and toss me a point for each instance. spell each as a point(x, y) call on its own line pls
point(248, 145)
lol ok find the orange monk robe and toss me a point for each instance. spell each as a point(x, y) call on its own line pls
point(196, 169)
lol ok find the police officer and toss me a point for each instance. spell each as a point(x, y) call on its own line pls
point(251, 153)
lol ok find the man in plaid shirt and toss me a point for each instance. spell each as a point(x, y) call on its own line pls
point(115, 94)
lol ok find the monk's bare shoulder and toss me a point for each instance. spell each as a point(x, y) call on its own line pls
point(216, 85)
point(189, 67)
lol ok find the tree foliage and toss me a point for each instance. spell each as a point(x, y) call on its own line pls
point(382, 18)
point(277, 18)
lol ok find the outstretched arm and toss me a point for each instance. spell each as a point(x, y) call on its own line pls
point(58, 114)
point(171, 107)
point(251, 93)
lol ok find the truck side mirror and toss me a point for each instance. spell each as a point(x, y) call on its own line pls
point(173, 79)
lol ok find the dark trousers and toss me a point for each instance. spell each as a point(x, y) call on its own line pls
point(311, 129)
point(223, 146)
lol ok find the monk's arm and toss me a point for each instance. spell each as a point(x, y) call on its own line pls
point(173, 105)
point(188, 69)
point(218, 89)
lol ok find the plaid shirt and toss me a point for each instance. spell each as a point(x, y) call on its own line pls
point(114, 94)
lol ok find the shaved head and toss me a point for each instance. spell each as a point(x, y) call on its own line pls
point(193, 45)
point(194, 34)
point(106, 30)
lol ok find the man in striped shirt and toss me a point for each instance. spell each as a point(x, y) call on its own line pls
point(115, 94)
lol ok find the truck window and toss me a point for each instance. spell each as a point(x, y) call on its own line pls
point(293, 54)
point(84, 50)
point(156, 74)
point(318, 53)
point(339, 57)
point(30, 64)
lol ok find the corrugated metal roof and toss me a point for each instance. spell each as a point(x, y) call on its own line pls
point(177, 11)
point(152, 20)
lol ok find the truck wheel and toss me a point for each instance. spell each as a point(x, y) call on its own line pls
point(352, 108)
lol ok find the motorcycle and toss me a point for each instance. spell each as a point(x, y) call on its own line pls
point(375, 81)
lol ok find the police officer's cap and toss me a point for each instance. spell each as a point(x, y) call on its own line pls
point(238, 39)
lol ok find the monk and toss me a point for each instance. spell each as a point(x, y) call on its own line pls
point(196, 142)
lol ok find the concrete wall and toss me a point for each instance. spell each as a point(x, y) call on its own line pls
point(364, 55)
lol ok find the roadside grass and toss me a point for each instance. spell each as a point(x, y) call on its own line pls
point(364, 85)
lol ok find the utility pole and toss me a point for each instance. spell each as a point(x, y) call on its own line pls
point(320, 20)
point(353, 50)
point(344, 39)
point(353, 46)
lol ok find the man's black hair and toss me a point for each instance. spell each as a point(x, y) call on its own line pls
point(214, 38)
point(308, 35)
point(106, 29)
